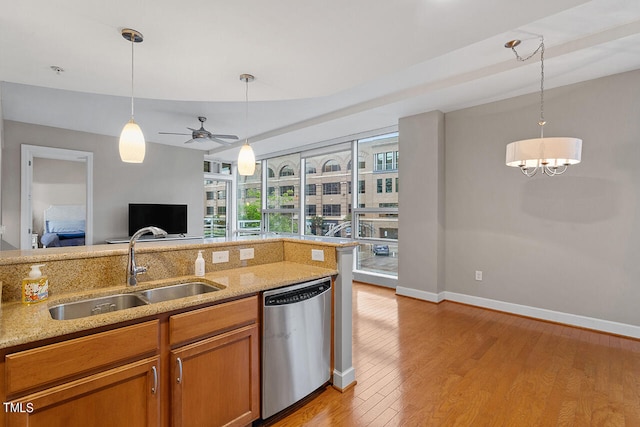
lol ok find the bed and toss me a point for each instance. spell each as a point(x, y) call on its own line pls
point(64, 225)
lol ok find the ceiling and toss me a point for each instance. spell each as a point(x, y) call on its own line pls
point(323, 70)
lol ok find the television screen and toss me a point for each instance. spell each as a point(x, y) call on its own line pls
point(171, 218)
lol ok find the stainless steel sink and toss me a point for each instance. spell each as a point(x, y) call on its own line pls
point(181, 290)
point(93, 306)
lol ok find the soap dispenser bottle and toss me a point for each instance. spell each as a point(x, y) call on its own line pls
point(199, 265)
point(35, 287)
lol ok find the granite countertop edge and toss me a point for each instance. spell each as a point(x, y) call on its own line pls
point(23, 324)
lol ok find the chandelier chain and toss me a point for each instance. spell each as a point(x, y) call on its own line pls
point(540, 49)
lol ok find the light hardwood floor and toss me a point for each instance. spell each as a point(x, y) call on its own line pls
point(422, 364)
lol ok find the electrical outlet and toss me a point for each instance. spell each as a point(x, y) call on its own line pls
point(246, 254)
point(317, 254)
point(479, 275)
point(220, 256)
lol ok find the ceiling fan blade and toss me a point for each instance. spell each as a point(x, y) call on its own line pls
point(219, 141)
point(215, 135)
point(173, 133)
point(190, 141)
point(192, 129)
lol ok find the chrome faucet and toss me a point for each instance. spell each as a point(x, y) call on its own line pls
point(132, 269)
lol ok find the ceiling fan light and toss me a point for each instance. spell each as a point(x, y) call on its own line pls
point(132, 145)
point(246, 160)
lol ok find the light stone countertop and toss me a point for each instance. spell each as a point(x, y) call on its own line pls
point(22, 324)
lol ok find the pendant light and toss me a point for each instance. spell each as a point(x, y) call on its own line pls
point(551, 156)
point(132, 145)
point(246, 158)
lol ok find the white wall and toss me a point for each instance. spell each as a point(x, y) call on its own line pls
point(168, 175)
point(569, 243)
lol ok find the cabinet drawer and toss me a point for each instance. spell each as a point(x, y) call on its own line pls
point(207, 321)
point(51, 363)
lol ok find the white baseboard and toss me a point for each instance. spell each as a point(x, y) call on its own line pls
point(423, 295)
point(528, 311)
point(342, 380)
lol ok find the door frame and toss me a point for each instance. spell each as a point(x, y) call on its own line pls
point(28, 152)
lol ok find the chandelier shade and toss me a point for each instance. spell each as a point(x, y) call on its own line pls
point(551, 152)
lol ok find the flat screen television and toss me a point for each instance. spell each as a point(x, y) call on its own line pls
point(171, 218)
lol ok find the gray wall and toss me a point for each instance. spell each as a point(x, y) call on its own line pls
point(168, 175)
point(569, 243)
point(421, 204)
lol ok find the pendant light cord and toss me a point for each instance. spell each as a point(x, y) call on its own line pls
point(132, 79)
point(246, 110)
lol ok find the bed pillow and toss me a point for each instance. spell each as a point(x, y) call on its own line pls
point(65, 226)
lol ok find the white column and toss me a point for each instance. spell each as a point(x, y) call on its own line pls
point(344, 375)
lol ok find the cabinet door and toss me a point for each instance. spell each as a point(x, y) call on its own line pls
point(123, 396)
point(216, 382)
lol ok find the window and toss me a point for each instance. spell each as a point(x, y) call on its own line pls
point(287, 207)
point(330, 210)
point(286, 190)
point(271, 173)
point(310, 210)
point(387, 161)
point(249, 204)
point(349, 165)
point(311, 169)
point(209, 195)
point(222, 210)
point(286, 171)
point(361, 187)
point(331, 166)
point(209, 210)
point(311, 190)
point(377, 231)
point(222, 195)
point(349, 187)
point(271, 191)
point(331, 188)
point(362, 164)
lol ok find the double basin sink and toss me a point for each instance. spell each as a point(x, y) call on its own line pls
point(99, 305)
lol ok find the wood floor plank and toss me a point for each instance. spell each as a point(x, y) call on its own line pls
point(424, 364)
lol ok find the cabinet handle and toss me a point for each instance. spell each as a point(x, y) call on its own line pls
point(155, 380)
point(179, 379)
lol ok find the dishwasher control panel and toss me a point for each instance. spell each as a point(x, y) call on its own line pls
point(298, 295)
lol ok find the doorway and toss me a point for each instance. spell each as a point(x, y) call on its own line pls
point(53, 176)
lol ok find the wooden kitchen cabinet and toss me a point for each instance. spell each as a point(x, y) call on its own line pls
point(215, 381)
point(123, 396)
point(103, 379)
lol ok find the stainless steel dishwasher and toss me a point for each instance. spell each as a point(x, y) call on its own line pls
point(296, 346)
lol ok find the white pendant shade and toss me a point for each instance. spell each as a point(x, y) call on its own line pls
point(246, 160)
point(551, 152)
point(132, 145)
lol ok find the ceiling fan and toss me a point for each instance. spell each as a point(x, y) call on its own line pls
point(203, 135)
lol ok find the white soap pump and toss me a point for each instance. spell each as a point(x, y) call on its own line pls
point(199, 265)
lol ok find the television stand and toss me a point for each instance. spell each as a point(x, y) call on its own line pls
point(152, 238)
